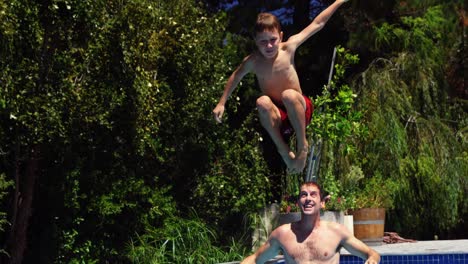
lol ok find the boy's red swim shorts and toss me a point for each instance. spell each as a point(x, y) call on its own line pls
point(286, 128)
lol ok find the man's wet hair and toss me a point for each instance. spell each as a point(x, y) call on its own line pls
point(266, 22)
point(311, 183)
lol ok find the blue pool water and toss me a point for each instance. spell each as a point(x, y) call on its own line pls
point(408, 259)
point(412, 259)
point(421, 252)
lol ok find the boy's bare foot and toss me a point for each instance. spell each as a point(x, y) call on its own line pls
point(299, 162)
point(288, 158)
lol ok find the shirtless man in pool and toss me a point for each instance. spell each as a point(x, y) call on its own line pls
point(282, 99)
point(311, 240)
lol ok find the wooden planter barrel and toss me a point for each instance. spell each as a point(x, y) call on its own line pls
point(369, 225)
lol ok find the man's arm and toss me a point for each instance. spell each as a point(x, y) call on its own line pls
point(358, 248)
point(244, 68)
point(316, 25)
point(266, 252)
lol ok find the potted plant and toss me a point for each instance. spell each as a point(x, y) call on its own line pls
point(340, 195)
point(342, 191)
point(375, 196)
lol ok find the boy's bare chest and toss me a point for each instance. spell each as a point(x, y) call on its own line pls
point(281, 67)
point(277, 76)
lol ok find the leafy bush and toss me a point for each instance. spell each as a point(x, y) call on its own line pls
point(182, 240)
point(238, 181)
point(113, 99)
point(339, 124)
point(413, 122)
point(377, 193)
point(5, 185)
point(337, 121)
point(342, 190)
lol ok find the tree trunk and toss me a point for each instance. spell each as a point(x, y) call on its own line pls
point(25, 177)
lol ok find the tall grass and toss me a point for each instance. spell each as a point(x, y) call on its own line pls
point(182, 241)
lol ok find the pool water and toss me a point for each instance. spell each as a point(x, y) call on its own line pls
point(408, 259)
point(412, 259)
point(420, 252)
point(437, 251)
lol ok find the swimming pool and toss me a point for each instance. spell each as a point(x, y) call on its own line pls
point(420, 252)
point(407, 259)
point(413, 259)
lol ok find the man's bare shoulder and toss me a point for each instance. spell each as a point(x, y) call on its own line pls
point(281, 231)
point(331, 225)
point(337, 229)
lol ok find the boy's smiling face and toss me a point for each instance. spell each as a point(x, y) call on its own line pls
point(268, 43)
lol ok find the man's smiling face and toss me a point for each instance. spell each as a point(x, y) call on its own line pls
point(309, 200)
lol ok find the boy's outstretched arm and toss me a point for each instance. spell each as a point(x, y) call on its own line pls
point(244, 68)
point(316, 25)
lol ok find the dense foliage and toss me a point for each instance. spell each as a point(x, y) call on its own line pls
point(106, 124)
point(416, 121)
point(182, 241)
point(107, 143)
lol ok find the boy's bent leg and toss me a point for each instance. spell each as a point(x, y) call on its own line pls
point(296, 107)
point(270, 118)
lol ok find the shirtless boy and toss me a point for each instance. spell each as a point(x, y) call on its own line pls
point(282, 103)
point(311, 240)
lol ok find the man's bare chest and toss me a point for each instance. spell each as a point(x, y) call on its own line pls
point(310, 251)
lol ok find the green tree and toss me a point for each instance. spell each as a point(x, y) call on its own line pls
point(106, 122)
point(415, 123)
point(71, 132)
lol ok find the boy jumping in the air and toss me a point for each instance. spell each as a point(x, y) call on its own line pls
point(282, 105)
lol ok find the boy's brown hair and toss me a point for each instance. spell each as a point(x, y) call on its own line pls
point(267, 22)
